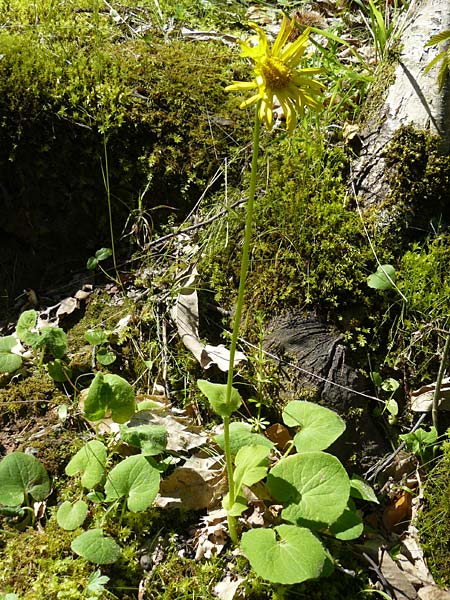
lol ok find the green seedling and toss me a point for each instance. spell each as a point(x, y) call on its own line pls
point(23, 479)
point(390, 386)
point(99, 338)
point(94, 261)
point(134, 482)
point(424, 444)
point(96, 585)
point(102, 254)
point(47, 340)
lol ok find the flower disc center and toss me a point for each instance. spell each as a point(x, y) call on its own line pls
point(276, 73)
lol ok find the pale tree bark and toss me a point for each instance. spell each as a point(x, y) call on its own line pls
point(412, 99)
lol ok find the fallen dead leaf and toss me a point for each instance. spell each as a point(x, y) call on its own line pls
point(397, 511)
point(194, 486)
point(404, 590)
point(279, 435)
point(181, 434)
point(227, 588)
point(422, 399)
point(186, 317)
point(210, 538)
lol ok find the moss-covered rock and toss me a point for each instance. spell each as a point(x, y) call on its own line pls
point(87, 112)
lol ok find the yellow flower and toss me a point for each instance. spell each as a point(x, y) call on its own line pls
point(276, 76)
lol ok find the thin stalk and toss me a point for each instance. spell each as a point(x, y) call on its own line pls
point(105, 174)
point(437, 389)
point(238, 313)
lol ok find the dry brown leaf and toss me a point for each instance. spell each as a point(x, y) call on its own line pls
point(422, 399)
point(279, 435)
point(186, 317)
point(432, 592)
point(404, 590)
point(210, 538)
point(397, 511)
point(181, 435)
point(194, 486)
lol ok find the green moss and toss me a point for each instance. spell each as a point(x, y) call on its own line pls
point(38, 564)
point(30, 397)
point(419, 177)
point(416, 335)
point(308, 250)
point(433, 520)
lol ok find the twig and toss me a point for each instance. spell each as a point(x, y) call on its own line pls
point(310, 374)
point(377, 469)
point(381, 577)
point(440, 377)
point(179, 231)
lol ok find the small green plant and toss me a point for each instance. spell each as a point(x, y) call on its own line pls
point(112, 394)
point(94, 261)
point(46, 340)
point(100, 339)
point(443, 57)
point(131, 484)
point(10, 361)
point(424, 444)
point(390, 386)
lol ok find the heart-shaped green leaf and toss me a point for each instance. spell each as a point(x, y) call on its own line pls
point(70, 516)
point(251, 465)
point(110, 393)
point(96, 336)
point(362, 490)
point(314, 486)
point(98, 398)
point(90, 461)
point(286, 554)
point(22, 474)
point(122, 403)
point(152, 439)
point(9, 362)
point(95, 547)
point(320, 426)
point(27, 321)
point(383, 278)
point(216, 394)
point(105, 357)
point(136, 479)
point(349, 525)
point(241, 435)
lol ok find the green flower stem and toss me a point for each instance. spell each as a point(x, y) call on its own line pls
point(238, 313)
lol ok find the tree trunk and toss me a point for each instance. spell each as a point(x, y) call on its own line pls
point(412, 99)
